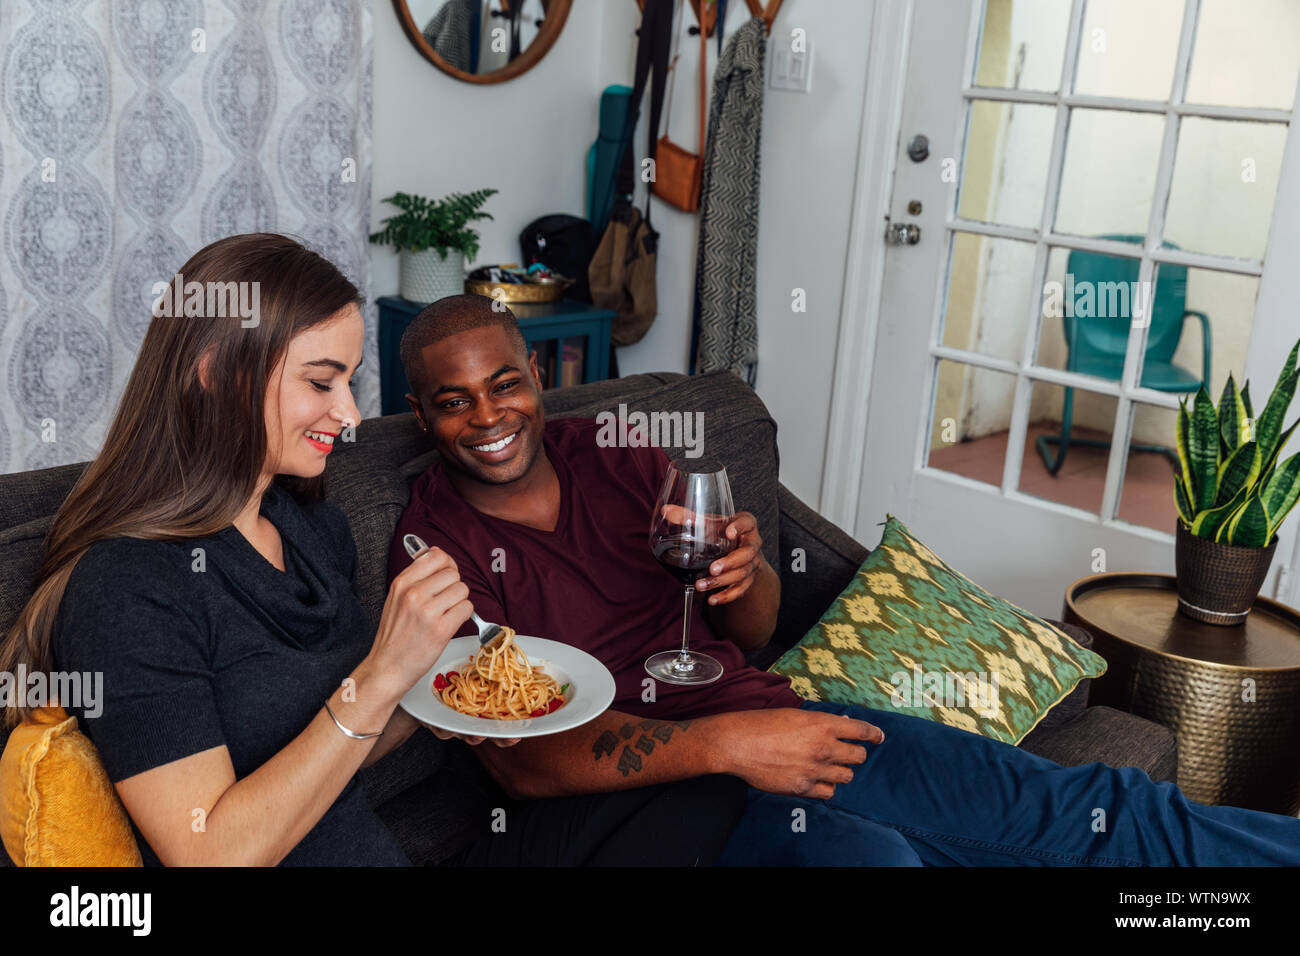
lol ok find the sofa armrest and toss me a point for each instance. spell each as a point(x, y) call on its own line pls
point(1109, 736)
point(827, 557)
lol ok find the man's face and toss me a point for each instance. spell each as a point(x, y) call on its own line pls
point(482, 405)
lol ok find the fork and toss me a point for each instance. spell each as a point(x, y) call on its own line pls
point(487, 633)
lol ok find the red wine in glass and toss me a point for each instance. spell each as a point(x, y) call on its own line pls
point(684, 560)
point(688, 532)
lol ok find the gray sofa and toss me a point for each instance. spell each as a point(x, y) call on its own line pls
point(427, 790)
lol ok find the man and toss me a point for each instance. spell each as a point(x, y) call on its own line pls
point(549, 532)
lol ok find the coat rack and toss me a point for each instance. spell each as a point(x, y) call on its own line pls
point(768, 14)
point(709, 20)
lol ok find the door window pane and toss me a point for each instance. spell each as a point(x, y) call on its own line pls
point(1228, 302)
point(1129, 49)
point(1247, 53)
point(988, 295)
point(1147, 495)
point(1072, 426)
point(968, 430)
point(1089, 303)
point(1110, 173)
point(1004, 175)
point(1022, 45)
point(1225, 181)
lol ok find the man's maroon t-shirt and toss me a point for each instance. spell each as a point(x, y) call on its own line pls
point(592, 582)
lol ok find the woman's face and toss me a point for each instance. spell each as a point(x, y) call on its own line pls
point(309, 399)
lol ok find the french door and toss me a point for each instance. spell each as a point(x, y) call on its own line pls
point(1093, 212)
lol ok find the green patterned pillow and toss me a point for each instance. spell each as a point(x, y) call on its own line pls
point(911, 634)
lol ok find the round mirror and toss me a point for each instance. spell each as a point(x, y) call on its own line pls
point(482, 41)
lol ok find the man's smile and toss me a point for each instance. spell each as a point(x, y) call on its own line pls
point(494, 450)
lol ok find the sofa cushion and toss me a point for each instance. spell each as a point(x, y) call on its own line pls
point(57, 805)
point(909, 633)
point(21, 549)
point(35, 494)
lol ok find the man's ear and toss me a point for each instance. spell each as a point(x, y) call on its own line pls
point(532, 367)
point(415, 407)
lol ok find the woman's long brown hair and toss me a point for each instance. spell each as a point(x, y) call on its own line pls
point(179, 460)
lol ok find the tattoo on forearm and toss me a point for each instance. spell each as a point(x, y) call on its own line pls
point(605, 744)
point(629, 762)
point(652, 732)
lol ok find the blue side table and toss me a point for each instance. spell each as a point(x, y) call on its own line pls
point(561, 320)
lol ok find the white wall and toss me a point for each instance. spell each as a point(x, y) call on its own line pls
point(434, 135)
point(807, 168)
point(528, 138)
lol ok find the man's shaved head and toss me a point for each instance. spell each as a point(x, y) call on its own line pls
point(451, 316)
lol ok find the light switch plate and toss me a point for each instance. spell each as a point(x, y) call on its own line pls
point(790, 71)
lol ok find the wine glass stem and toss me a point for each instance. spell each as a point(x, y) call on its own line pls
point(685, 659)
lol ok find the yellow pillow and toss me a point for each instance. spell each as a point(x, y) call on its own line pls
point(57, 805)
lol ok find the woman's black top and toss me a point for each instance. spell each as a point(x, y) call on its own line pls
point(204, 643)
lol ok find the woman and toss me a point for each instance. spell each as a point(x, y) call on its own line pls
point(197, 567)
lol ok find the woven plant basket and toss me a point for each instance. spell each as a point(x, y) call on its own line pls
point(1218, 583)
point(427, 277)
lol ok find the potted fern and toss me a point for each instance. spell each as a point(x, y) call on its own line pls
point(434, 239)
point(1232, 496)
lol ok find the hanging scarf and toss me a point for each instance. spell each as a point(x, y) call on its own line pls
point(725, 268)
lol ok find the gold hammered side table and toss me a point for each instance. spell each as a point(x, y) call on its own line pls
point(1231, 694)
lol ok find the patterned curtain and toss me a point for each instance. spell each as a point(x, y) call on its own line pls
point(134, 132)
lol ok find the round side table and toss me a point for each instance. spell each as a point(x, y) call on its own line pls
point(1231, 694)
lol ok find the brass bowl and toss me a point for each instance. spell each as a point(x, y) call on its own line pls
point(550, 290)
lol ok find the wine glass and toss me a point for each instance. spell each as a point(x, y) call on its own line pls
point(687, 534)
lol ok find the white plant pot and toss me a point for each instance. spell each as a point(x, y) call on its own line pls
point(427, 277)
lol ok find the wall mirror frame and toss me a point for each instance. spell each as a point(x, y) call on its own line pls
point(556, 12)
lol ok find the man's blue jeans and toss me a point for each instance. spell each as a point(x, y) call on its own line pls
point(934, 795)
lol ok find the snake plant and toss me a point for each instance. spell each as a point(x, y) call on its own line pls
point(1230, 487)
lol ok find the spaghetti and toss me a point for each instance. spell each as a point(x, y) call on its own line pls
point(499, 683)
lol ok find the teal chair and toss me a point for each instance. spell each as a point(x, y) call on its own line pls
point(1096, 344)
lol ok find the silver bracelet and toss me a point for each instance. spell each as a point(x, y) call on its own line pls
point(349, 733)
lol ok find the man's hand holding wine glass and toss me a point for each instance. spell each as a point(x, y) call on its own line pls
point(733, 573)
point(731, 576)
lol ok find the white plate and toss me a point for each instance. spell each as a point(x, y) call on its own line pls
point(591, 690)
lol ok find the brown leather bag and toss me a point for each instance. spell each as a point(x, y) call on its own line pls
point(622, 270)
point(622, 274)
point(679, 172)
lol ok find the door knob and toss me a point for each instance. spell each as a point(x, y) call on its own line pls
point(902, 233)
